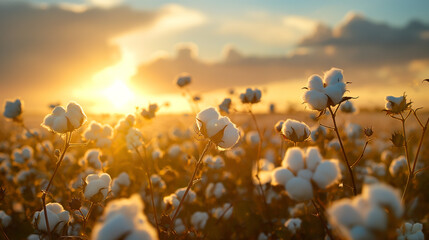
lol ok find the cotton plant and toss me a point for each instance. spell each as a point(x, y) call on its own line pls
point(299, 169)
point(100, 134)
point(324, 94)
point(124, 219)
point(368, 215)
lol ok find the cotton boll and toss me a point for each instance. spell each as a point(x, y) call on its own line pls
point(376, 218)
point(315, 100)
point(125, 124)
point(123, 179)
point(333, 76)
point(57, 218)
point(231, 135)
point(280, 176)
point(174, 151)
point(179, 227)
point(294, 159)
point(327, 173)
point(206, 115)
point(293, 224)
point(4, 219)
point(251, 96)
point(353, 131)
point(295, 131)
point(386, 156)
point(398, 164)
point(13, 110)
point(134, 138)
point(343, 213)
point(335, 92)
point(97, 186)
point(361, 233)
point(219, 190)
point(124, 218)
point(62, 121)
point(299, 189)
point(101, 134)
point(225, 105)
point(315, 82)
point(252, 138)
point(313, 158)
point(384, 195)
point(410, 232)
point(347, 107)
point(199, 220)
point(190, 197)
point(183, 80)
point(92, 157)
point(75, 115)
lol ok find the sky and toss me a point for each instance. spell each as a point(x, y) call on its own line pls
point(113, 55)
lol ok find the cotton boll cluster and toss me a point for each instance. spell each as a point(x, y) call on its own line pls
point(157, 182)
point(252, 138)
point(299, 169)
point(295, 131)
point(225, 211)
point(366, 216)
point(225, 105)
point(179, 227)
point(63, 121)
point(22, 155)
point(4, 219)
point(220, 130)
point(410, 231)
point(199, 220)
point(347, 107)
point(215, 190)
point(100, 134)
point(395, 105)
point(322, 93)
point(251, 96)
point(183, 80)
point(318, 132)
point(57, 218)
point(124, 219)
point(397, 165)
point(92, 158)
point(97, 187)
point(134, 138)
point(353, 131)
point(122, 180)
point(173, 199)
point(215, 162)
point(293, 224)
point(150, 112)
point(13, 110)
point(125, 124)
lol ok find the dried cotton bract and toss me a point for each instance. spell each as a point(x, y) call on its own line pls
point(295, 131)
point(220, 130)
point(124, 219)
point(365, 216)
point(322, 93)
point(63, 121)
point(57, 218)
point(251, 96)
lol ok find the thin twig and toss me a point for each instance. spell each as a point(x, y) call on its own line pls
point(322, 221)
point(361, 155)
point(3, 232)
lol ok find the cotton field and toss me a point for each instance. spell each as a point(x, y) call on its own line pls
point(222, 172)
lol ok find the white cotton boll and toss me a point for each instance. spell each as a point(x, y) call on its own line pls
point(395, 100)
point(4, 219)
point(327, 173)
point(157, 154)
point(294, 159)
point(251, 96)
point(318, 132)
point(57, 218)
point(334, 144)
point(199, 220)
point(124, 218)
point(96, 184)
point(386, 156)
point(299, 189)
point(315, 100)
point(376, 218)
point(225, 210)
point(293, 224)
point(225, 105)
point(397, 165)
point(174, 151)
point(179, 227)
point(134, 138)
point(183, 80)
point(347, 107)
point(123, 179)
point(101, 134)
point(370, 179)
point(207, 115)
point(252, 138)
point(333, 76)
point(295, 131)
point(343, 213)
point(353, 131)
point(125, 123)
point(231, 135)
point(75, 115)
point(92, 157)
point(13, 109)
point(190, 197)
point(315, 82)
point(62, 121)
point(384, 195)
point(33, 237)
point(312, 158)
point(305, 174)
point(219, 190)
point(360, 233)
point(171, 200)
point(335, 92)
point(280, 176)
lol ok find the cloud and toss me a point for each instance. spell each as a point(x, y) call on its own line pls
point(49, 51)
point(371, 53)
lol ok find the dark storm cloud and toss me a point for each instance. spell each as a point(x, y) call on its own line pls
point(360, 46)
point(53, 47)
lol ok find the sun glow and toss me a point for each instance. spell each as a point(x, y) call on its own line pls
point(119, 94)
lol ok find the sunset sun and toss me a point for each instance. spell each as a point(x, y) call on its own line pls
point(119, 95)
